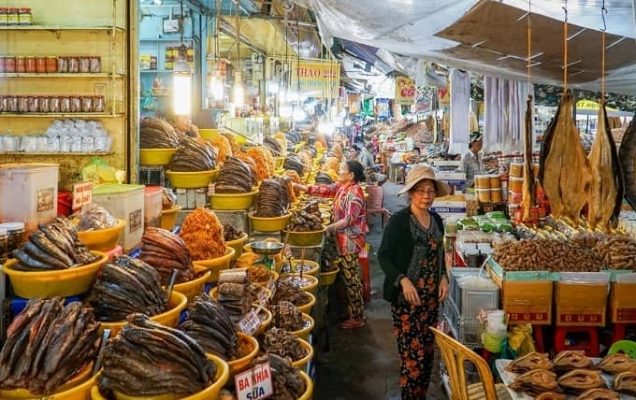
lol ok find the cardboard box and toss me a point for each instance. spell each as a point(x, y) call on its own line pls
point(528, 302)
point(581, 304)
point(622, 303)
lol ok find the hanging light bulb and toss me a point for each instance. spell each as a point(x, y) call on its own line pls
point(286, 111)
point(326, 128)
point(182, 87)
point(215, 85)
point(273, 87)
point(238, 91)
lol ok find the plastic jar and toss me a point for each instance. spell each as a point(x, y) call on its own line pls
point(15, 235)
point(9, 64)
point(62, 65)
point(515, 185)
point(30, 65)
point(34, 104)
point(13, 16)
point(51, 64)
point(23, 104)
point(20, 64)
point(54, 104)
point(516, 170)
point(25, 17)
point(4, 16)
point(95, 64)
point(40, 65)
point(73, 65)
point(98, 104)
point(2, 64)
point(84, 65)
point(482, 181)
point(495, 195)
point(483, 195)
point(45, 104)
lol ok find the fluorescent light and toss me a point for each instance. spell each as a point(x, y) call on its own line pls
point(238, 91)
point(273, 87)
point(286, 111)
point(299, 115)
point(215, 86)
point(326, 128)
point(182, 88)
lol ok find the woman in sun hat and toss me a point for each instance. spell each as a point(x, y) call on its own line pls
point(412, 257)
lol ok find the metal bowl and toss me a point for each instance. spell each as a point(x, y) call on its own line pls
point(266, 248)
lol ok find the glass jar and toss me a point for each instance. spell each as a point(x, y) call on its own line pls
point(54, 104)
point(15, 233)
point(98, 104)
point(40, 65)
point(84, 65)
point(62, 65)
point(45, 104)
point(96, 65)
point(4, 16)
point(51, 64)
point(12, 104)
point(73, 65)
point(76, 104)
point(25, 17)
point(87, 104)
point(9, 64)
point(20, 65)
point(34, 104)
point(13, 16)
point(65, 104)
point(30, 65)
point(23, 104)
point(2, 64)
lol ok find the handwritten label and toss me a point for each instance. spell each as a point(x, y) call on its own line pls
point(250, 323)
point(82, 194)
point(45, 200)
point(255, 383)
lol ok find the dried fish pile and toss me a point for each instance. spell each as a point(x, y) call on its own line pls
point(127, 286)
point(529, 362)
point(565, 172)
point(235, 177)
point(617, 363)
point(625, 382)
point(148, 359)
point(233, 293)
point(607, 178)
point(283, 344)
point(250, 163)
point(53, 246)
point(166, 252)
point(230, 233)
point(203, 234)
point(193, 155)
point(598, 394)
point(325, 178)
point(617, 252)
point(94, 217)
point(273, 199)
point(169, 199)
point(535, 382)
point(545, 255)
point(157, 134)
point(48, 343)
point(288, 382)
point(627, 158)
point(290, 293)
point(287, 316)
point(209, 324)
point(581, 380)
point(274, 146)
point(294, 163)
point(569, 360)
point(308, 219)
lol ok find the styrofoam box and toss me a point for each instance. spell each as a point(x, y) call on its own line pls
point(153, 203)
point(124, 202)
point(28, 193)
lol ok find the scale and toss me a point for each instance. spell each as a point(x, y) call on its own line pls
point(267, 249)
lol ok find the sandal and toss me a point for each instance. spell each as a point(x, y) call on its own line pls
point(351, 324)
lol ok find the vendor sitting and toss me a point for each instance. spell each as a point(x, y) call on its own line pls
point(472, 161)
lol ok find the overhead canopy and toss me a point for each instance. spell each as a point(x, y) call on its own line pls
point(409, 28)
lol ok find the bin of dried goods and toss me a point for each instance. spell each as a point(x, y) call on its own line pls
point(232, 293)
point(192, 166)
point(307, 283)
point(274, 146)
point(289, 382)
point(293, 162)
point(169, 209)
point(264, 162)
point(283, 344)
point(167, 252)
point(222, 144)
point(286, 291)
point(236, 177)
point(545, 255)
point(158, 141)
point(59, 345)
point(97, 228)
point(235, 239)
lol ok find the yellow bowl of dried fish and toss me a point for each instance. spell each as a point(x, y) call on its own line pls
point(237, 245)
point(102, 239)
point(83, 375)
point(310, 238)
point(306, 308)
point(309, 384)
point(215, 265)
point(233, 201)
point(209, 133)
point(191, 180)
point(266, 318)
point(214, 293)
point(308, 327)
point(309, 349)
point(169, 217)
point(178, 302)
point(274, 224)
point(211, 392)
point(263, 283)
point(308, 267)
point(279, 162)
point(47, 284)
point(328, 278)
point(250, 348)
point(308, 283)
point(193, 288)
point(156, 156)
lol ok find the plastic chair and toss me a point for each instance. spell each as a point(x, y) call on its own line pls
point(455, 356)
point(375, 203)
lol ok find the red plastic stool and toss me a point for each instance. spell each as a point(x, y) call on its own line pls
point(537, 334)
point(618, 331)
point(591, 346)
point(363, 259)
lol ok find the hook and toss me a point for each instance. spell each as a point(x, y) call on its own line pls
point(565, 10)
point(603, 13)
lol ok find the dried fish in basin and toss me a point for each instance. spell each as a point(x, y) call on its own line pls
point(283, 344)
point(166, 252)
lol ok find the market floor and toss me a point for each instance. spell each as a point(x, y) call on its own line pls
point(364, 364)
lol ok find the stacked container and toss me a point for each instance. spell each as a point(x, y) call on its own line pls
point(124, 202)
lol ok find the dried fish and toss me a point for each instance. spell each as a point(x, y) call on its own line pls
point(529, 362)
point(166, 252)
point(155, 133)
point(581, 380)
point(535, 382)
point(617, 363)
point(283, 344)
point(571, 359)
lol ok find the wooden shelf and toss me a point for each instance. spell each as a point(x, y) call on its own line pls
point(55, 154)
point(156, 71)
point(58, 28)
point(177, 40)
point(60, 115)
point(59, 75)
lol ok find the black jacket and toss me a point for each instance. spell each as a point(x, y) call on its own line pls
point(396, 250)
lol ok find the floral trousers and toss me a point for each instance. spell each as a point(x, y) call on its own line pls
point(353, 285)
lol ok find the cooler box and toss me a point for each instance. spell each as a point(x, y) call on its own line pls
point(581, 298)
point(153, 203)
point(124, 202)
point(28, 194)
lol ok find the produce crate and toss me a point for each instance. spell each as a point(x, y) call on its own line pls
point(581, 299)
point(456, 273)
point(528, 302)
point(622, 303)
point(499, 275)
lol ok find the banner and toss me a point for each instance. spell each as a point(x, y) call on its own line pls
point(317, 78)
point(404, 91)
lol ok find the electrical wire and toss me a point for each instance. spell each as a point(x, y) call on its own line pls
point(565, 47)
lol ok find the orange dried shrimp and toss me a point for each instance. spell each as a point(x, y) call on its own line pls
point(203, 235)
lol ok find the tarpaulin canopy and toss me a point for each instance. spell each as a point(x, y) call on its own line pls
point(409, 27)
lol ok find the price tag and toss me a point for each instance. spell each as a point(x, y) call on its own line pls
point(262, 297)
point(82, 194)
point(255, 383)
point(250, 323)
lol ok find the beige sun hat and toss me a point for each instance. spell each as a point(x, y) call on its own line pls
point(421, 172)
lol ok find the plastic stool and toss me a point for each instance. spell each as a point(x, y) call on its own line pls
point(619, 331)
point(591, 346)
point(537, 334)
point(363, 260)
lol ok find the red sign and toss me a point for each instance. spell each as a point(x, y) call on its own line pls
point(255, 383)
point(525, 318)
point(626, 314)
point(82, 194)
point(581, 318)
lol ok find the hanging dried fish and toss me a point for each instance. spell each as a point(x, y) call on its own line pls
point(528, 193)
point(627, 156)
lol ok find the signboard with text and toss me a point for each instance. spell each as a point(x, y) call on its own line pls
point(317, 78)
point(405, 91)
point(255, 383)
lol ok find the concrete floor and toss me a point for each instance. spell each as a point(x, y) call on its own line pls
point(364, 364)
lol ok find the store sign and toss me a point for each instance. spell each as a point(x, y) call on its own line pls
point(317, 78)
point(82, 194)
point(255, 383)
point(405, 91)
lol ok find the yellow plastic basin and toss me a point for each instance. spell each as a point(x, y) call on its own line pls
point(314, 267)
point(309, 284)
point(302, 363)
point(273, 274)
point(80, 377)
point(237, 245)
point(169, 217)
point(311, 238)
point(170, 318)
point(306, 308)
point(266, 321)
point(215, 265)
point(214, 293)
point(279, 162)
point(241, 364)
point(275, 224)
point(306, 331)
point(211, 392)
point(47, 284)
point(193, 288)
point(233, 201)
point(102, 239)
point(328, 278)
point(156, 156)
point(191, 180)
point(209, 133)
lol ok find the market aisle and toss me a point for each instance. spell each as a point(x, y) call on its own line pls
point(364, 364)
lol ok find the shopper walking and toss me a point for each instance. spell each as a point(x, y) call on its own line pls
point(349, 225)
point(412, 257)
point(471, 161)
